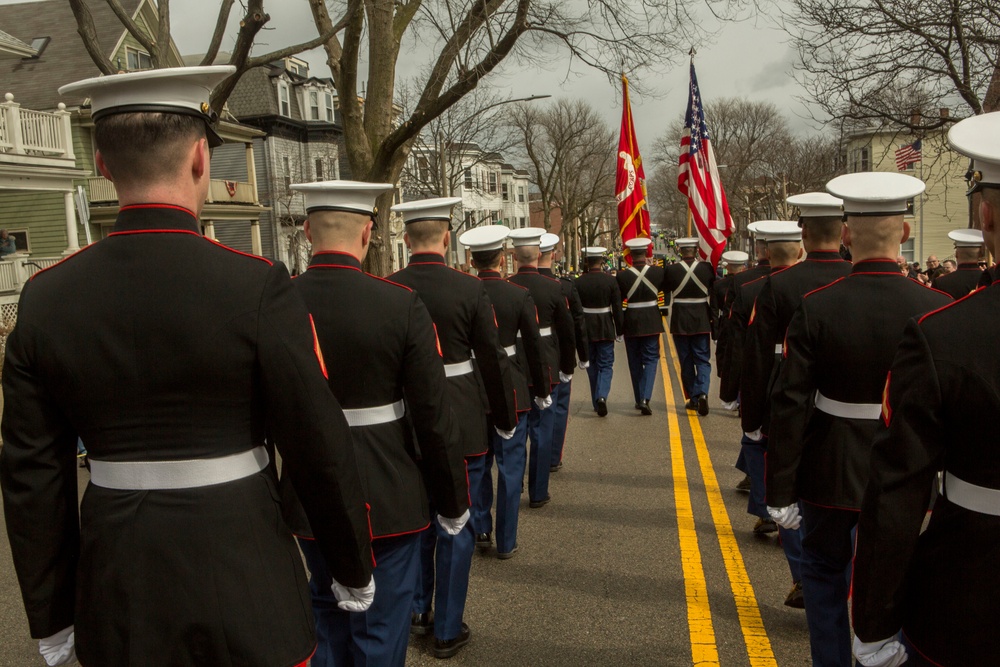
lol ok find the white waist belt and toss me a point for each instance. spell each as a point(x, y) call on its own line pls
point(643, 304)
point(976, 498)
point(597, 311)
point(848, 410)
point(189, 474)
point(544, 331)
point(461, 368)
point(702, 299)
point(780, 349)
point(511, 350)
point(382, 414)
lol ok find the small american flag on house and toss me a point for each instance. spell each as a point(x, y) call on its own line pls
point(907, 155)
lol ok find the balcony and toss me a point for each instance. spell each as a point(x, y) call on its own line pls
point(35, 137)
point(101, 192)
point(15, 272)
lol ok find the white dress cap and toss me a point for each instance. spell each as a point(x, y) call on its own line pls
point(639, 243)
point(966, 238)
point(735, 257)
point(180, 90)
point(427, 209)
point(777, 231)
point(487, 237)
point(686, 242)
point(347, 196)
point(752, 228)
point(549, 242)
point(978, 137)
point(817, 205)
point(875, 193)
point(527, 236)
point(594, 251)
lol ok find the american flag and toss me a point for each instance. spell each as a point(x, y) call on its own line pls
point(907, 155)
point(698, 179)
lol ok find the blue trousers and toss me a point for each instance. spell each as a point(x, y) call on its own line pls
point(560, 419)
point(643, 354)
point(378, 636)
point(696, 366)
point(540, 427)
point(753, 456)
point(445, 561)
point(602, 366)
point(511, 457)
point(827, 550)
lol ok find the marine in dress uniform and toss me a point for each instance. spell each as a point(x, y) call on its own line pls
point(516, 321)
point(825, 410)
point(783, 238)
point(174, 365)
point(558, 350)
point(968, 253)
point(392, 388)
point(734, 262)
point(729, 336)
point(938, 585)
point(602, 304)
point(561, 392)
point(466, 326)
point(640, 284)
point(689, 283)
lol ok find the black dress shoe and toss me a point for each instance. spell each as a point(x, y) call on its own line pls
point(691, 405)
point(535, 504)
point(422, 624)
point(447, 648)
point(602, 407)
point(703, 405)
point(484, 540)
point(744, 484)
point(794, 598)
point(638, 406)
point(508, 554)
point(556, 468)
point(646, 410)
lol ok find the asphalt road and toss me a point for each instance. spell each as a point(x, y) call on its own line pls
point(645, 556)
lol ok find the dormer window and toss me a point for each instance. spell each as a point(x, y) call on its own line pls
point(328, 105)
point(313, 105)
point(137, 60)
point(284, 105)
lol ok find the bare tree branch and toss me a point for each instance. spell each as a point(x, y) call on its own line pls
point(161, 54)
point(132, 28)
point(88, 33)
point(225, 7)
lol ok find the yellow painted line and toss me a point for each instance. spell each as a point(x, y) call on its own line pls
point(754, 634)
point(703, 647)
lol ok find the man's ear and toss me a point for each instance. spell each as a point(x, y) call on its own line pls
point(307, 230)
point(906, 232)
point(366, 234)
point(406, 240)
point(102, 166)
point(201, 159)
point(846, 236)
point(447, 238)
point(987, 213)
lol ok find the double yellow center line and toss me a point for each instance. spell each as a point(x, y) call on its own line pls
point(704, 650)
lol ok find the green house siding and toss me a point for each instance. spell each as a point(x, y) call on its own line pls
point(42, 214)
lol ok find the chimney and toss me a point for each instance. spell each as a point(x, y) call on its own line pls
point(943, 111)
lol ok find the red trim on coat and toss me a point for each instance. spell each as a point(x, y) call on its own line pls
point(60, 262)
point(316, 348)
point(948, 305)
point(129, 232)
point(917, 649)
point(820, 289)
point(386, 280)
point(405, 532)
point(238, 252)
point(831, 507)
point(368, 517)
point(170, 206)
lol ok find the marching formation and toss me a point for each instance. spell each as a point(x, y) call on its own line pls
point(865, 400)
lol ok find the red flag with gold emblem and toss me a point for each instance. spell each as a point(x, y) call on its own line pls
point(630, 180)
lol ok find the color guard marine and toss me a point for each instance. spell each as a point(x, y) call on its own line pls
point(602, 307)
point(477, 392)
point(825, 411)
point(640, 285)
point(181, 366)
point(392, 388)
point(934, 590)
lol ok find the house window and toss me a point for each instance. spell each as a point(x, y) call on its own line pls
point(504, 192)
point(908, 250)
point(285, 105)
point(136, 59)
point(862, 159)
point(493, 181)
point(470, 219)
point(313, 105)
point(468, 178)
point(328, 102)
point(494, 217)
point(319, 169)
point(521, 222)
point(520, 194)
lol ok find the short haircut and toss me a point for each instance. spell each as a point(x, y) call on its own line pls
point(967, 255)
point(689, 251)
point(594, 262)
point(145, 147)
point(425, 232)
point(760, 247)
point(336, 227)
point(783, 252)
point(825, 229)
point(875, 232)
point(486, 259)
point(638, 253)
point(526, 254)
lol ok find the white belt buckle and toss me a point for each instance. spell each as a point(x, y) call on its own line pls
point(779, 349)
point(460, 368)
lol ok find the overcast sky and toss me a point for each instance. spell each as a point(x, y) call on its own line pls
point(748, 58)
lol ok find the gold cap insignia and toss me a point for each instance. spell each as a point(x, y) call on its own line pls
point(205, 107)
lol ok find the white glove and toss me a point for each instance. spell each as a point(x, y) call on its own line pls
point(59, 649)
point(542, 403)
point(454, 526)
point(354, 599)
point(786, 517)
point(886, 653)
point(506, 435)
point(754, 435)
point(730, 405)
point(619, 339)
point(565, 378)
point(584, 365)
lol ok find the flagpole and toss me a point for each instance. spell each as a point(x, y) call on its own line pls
point(692, 54)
